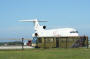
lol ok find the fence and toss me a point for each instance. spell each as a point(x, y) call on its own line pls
point(62, 42)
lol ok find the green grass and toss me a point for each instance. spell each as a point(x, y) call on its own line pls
point(54, 53)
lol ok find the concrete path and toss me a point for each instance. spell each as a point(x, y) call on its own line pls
point(15, 47)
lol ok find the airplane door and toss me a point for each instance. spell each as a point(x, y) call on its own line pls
point(57, 42)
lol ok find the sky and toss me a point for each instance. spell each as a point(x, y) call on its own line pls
point(58, 13)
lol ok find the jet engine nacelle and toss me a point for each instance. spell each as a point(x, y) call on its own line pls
point(44, 27)
point(36, 34)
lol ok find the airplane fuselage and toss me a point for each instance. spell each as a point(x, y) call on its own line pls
point(40, 31)
point(63, 32)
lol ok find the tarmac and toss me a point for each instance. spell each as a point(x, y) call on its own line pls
point(15, 47)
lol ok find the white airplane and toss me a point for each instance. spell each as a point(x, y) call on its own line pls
point(40, 31)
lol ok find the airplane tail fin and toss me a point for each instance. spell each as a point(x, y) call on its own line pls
point(36, 23)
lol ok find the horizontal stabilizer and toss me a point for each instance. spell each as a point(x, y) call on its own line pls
point(34, 20)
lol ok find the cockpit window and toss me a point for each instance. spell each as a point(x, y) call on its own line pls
point(74, 32)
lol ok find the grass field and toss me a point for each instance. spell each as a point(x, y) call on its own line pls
point(54, 53)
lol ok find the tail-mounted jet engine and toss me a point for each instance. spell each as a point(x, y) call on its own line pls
point(44, 27)
point(36, 34)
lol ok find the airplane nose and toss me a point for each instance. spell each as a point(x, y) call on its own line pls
point(76, 34)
